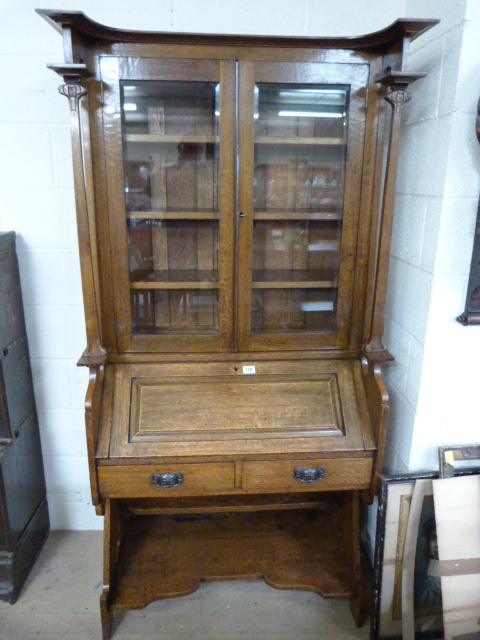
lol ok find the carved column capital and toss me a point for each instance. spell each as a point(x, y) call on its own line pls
point(397, 98)
point(72, 91)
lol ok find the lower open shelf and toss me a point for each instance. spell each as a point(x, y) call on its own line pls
point(163, 556)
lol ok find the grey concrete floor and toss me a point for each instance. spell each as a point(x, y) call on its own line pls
point(60, 601)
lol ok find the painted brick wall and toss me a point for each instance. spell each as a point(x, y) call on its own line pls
point(36, 200)
point(432, 383)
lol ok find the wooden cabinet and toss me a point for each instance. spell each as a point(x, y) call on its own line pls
point(24, 521)
point(235, 201)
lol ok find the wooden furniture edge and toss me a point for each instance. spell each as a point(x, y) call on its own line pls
point(397, 97)
point(93, 404)
point(77, 20)
point(75, 77)
point(111, 546)
point(378, 406)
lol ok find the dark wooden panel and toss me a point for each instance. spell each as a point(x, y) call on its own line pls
point(23, 510)
point(17, 379)
point(11, 313)
point(23, 478)
point(16, 565)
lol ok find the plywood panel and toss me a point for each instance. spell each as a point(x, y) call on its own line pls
point(457, 514)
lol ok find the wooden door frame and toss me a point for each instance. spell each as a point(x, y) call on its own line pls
point(113, 70)
point(356, 76)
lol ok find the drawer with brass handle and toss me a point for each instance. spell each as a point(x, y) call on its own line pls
point(307, 475)
point(152, 481)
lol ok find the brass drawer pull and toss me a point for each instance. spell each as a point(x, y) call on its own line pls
point(167, 480)
point(308, 474)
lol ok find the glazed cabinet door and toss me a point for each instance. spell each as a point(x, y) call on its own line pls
point(301, 151)
point(169, 147)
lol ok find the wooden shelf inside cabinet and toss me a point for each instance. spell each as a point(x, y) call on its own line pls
point(195, 549)
point(174, 280)
point(297, 214)
point(149, 138)
point(296, 140)
point(227, 504)
point(294, 279)
point(173, 215)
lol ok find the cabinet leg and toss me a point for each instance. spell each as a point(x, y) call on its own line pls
point(106, 616)
point(358, 607)
point(111, 544)
point(351, 540)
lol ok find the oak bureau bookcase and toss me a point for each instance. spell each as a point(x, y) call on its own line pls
point(234, 198)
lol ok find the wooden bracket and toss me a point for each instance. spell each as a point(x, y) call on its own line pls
point(72, 73)
point(398, 79)
point(74, 76)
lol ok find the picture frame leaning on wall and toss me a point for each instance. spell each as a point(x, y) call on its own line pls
point(394, 552)
point(398, 562)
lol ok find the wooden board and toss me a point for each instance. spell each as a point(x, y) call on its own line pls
point(457, 515)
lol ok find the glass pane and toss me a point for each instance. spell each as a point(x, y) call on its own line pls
point(174, 311)
point(280, 310)
point(171, 154)
point(300, 157)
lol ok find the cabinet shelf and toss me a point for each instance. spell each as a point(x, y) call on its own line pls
point(206, 214)
point(294, 279)
point(174, 280)
point(154, 330)
point(201, 549)
point(326, 326)
point(296, 140)
point(149, 138)
point(297, 214)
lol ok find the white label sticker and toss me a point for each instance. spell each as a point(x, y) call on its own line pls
point(249, 370)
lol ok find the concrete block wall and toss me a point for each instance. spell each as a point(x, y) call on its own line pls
point(432, 383)
point(37, 201)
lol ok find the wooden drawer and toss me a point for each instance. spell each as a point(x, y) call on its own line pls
point(154, 481)
point(331, 474)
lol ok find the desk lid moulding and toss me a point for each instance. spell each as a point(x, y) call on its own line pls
point(196, 410)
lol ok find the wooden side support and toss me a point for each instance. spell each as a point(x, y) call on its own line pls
point(375, 351)
point(351, 539)
point(93, 403)
point(75, 77)
point(396, 98)
point(111, 546)
point(378, 406)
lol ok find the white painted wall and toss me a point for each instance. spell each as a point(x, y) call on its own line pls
point(36, 200)
point(434, 381)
